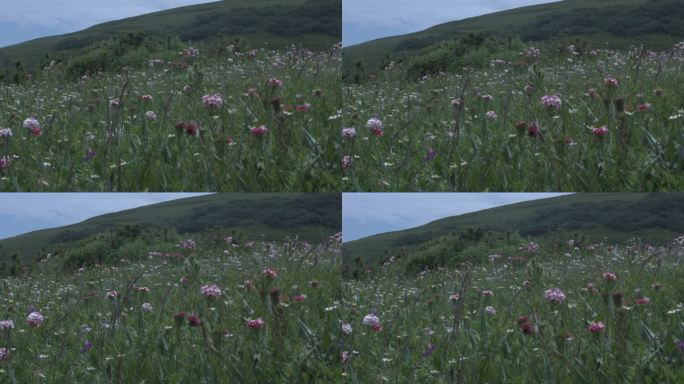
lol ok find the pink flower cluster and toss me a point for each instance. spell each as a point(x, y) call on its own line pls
point(214, 101)
point(259, 131)
point(551, 102)
point(34, 319)
point(596, 327)
point(554, 295)
point(375, 126)
point(255, 324)
point(211, 291)
point(33, 126)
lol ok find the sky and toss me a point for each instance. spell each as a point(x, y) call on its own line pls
point(26, 212)
point(364, 20)
point(366, 214)
point(22, 20)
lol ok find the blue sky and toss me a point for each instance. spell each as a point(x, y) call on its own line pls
point(364, 20)
point(26, 212)
point(365, 214)
point(22, 20)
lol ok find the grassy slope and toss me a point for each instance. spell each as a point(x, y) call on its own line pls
point(522, 22)
point(198, 22)
point(595, 215)
point(275, 216)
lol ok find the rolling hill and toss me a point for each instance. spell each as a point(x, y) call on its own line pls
point(656, 218)
point(315, 24)
point(615, 23)
point(314, 217)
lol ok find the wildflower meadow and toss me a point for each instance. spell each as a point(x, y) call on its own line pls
point(212, 309)
point(208, 118)
point(563, 310)
point(548, 118)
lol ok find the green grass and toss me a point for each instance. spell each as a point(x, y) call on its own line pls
point(425, 336)
point(655, 218)
point(87, 144)
point(486, 145)
point(296, 344)
point(611, 23)
point(264, 216)
point(262, 23)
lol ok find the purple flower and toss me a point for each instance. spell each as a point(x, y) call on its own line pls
point(428, 350)
point(431, 154)
point(90, 154)
point(86, 346)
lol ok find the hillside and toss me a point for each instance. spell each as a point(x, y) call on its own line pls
point(315, 24)
point(612, 23)
point(656, 218)
point(313, 217)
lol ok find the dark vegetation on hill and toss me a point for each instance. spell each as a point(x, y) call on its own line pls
point(273, 217)
point(313, 24)
point(655, 218)
point(609, 23)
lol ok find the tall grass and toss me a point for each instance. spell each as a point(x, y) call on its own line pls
point(493, 321)
point(97, 134)
point(159, 327)
point(439, 134)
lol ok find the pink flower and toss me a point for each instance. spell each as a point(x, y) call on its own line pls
point(33, 126)
point(258, 131)
point(490, 311)
point(456, 102)
point(115, 102)
point(596, 327)
point(34, 319)
point(273, 82)
point(344, 357)
point(486, 98)
point(370, 320)
point(111, 294)
point(214, 101)
point(147, 307)
point(551, 102)
point(349, 133)
point(554, 295)
point(146, 97)
point(533, 130)
point(6, 325)
point(375, 126)
point(5, 133)
point(643, 107)
point(487, 293)
point(303, 107)
point(211, 291)
point(269, 273)
point(299, 298)
point(611, 82)
point(600, 131)
point(376, 327)
point(609, 276)
point(5, 162)
point(345, 162)
point(255, 324)
point(194, 320)
point(643, 301)
point(491, 115)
